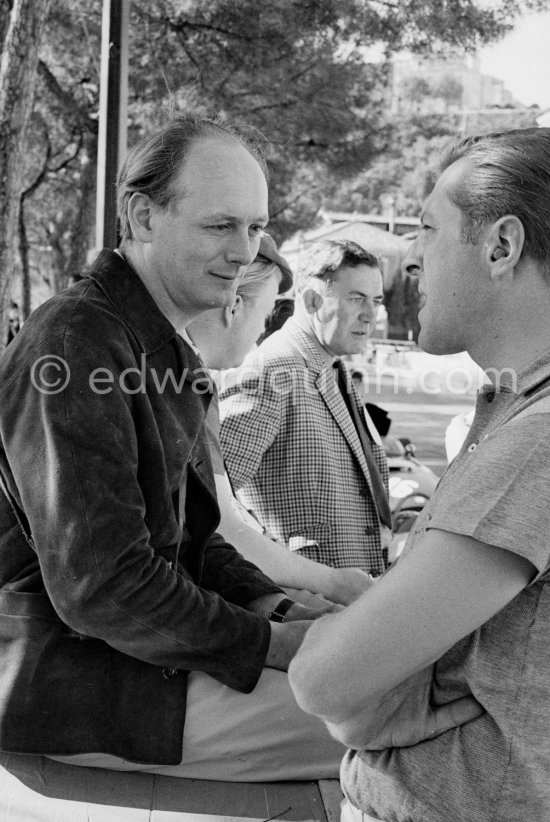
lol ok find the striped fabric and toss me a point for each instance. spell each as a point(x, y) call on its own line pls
point(293, 453)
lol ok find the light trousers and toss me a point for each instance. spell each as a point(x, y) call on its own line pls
point(258, 737)
point(349, 813)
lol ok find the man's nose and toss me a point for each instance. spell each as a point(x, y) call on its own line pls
point(369, 313)
point(411, 264)
point(242, 248)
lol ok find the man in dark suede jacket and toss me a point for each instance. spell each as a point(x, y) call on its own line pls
point(132, 636)
point(126, 623)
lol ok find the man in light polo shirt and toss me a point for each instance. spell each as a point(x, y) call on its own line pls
point(466, 610)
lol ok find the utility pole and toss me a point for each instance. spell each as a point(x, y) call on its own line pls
point(113, 100)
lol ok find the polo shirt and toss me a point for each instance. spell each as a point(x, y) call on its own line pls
point(497, 767)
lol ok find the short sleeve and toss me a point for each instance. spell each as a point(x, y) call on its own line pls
point(498, 491)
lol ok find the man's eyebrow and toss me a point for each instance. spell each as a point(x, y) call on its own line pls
point(224, 216)
point(426, 215)
point(356, 293)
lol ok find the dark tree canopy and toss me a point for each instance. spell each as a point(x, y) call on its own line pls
point(298, 70)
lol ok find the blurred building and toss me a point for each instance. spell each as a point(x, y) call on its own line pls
point(446, 84)
point(381, 236)
point(455, 86)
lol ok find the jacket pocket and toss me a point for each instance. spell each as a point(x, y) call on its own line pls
point(311, 538)
point(63, 693)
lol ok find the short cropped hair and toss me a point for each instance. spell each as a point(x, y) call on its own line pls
point(284, 308)
point(153, 164)
point(325, 257)
point(507, 172)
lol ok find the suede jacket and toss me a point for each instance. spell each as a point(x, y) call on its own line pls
point(113, 582)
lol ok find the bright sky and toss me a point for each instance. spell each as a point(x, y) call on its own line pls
point(522, 60)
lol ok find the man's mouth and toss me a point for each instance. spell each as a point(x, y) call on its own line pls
point(228, 277)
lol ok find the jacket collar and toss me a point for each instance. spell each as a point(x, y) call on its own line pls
point(320, 363)
point(126, 292)
point(316, 356)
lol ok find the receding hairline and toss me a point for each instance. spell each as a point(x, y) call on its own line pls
point(230, 140)
point(178, 179)
point(209, 135)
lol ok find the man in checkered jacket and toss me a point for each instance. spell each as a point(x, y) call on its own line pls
point(292, 448)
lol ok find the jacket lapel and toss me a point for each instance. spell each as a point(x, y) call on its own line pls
point(329, 391)
point(325, 382)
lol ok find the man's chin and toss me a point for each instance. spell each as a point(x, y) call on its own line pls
point(438, 345)
point(358, 346)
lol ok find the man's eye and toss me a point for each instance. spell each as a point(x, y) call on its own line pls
point(257, 229)
point(426, 227)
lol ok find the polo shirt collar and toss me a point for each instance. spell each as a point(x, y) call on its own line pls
point(526, 382)
point(536, 375)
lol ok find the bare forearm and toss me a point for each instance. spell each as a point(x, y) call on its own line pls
point(342, 585)
point(438, 594)
point(276, 561)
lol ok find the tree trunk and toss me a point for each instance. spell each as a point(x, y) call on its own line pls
point(5, 11)
point(25, 307)
point(84, 222)
point(18, 67)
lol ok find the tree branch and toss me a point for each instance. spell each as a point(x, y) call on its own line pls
point(64, 163)
point(197, 26)
point(188, 52)
point(39, 179)
point(274, 214)
point(67, 100)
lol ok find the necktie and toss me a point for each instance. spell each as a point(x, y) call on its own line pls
point(379, 491)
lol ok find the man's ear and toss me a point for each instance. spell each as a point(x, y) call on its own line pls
point(232, 310)
point(139, 216)
point(312, 300)
point(504, 246)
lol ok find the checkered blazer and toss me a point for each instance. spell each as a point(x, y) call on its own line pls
point(294, 456)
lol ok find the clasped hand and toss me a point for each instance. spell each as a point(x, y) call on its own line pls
point(287, 636)
point(404, 716)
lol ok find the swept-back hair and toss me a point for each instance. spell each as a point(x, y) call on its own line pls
point(258, 273)
point(506, 172)
point(152, 165)
point(325, 257)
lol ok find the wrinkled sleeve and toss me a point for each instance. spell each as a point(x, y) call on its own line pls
point(499, 493)
point(238, 580)
point(75, 468)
